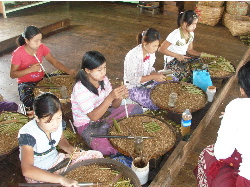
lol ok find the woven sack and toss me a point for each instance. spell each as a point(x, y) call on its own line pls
point(209, 15)
point(1, 98)
point(239, 8)
point(237, 25)
point(211, 3)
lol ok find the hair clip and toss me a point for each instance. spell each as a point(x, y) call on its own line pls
point(143, 32)
point(195, 16)
point(181, 12)
point(23, 35)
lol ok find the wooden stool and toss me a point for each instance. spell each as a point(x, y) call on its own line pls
point(152, 9)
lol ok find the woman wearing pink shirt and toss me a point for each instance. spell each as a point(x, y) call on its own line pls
point(25, 66)
point(92, 97)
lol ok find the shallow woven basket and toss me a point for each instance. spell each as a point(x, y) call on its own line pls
point(237, 25)
point(107, 163)
point(9, 139)
point(239, 8)
point(211, 3)
point(209, 15)
point(163, 140)
point(160, 96)
point(59, 80)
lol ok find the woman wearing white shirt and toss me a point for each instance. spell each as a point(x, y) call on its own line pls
point(138, 67)
point(179, 44)
point(227, 162)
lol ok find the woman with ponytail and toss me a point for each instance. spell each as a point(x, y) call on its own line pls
point(25, 63)
point(93, 98)
point(139, 70)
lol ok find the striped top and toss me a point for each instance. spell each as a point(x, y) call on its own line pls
point(83, 101)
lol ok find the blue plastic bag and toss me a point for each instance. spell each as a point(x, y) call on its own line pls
point(202, 79)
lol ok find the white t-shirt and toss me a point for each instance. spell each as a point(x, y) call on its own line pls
point(234, 134)
point(45, 153)
point(178, 42)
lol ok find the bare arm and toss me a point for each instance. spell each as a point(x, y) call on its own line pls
point(35, 173)
point(15, 73)
point(64, 145)
point(164, 50)
point(191, 51)
point(155, 76)
point(115, 97)
point(59, 65)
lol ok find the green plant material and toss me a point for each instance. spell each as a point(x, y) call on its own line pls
point(192, 89)
point(206, 55)
point(117, 126)
point(12, 127)
point(69, 134)
point(151, 126)
point(221, 63)
point(48, 84)
point(123, 183)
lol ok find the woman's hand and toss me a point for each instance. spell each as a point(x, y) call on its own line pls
point(181, 57)
point(76, 154)
point(119, 93)
point(35, 68)
point(72, 72)
point(159, 77)
point(68, 182)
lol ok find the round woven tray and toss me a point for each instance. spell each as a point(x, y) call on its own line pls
point(9, 133)
point(103, 163)
point(219, 73)
point(185, 100)
point(59, 80)
point(163, 140)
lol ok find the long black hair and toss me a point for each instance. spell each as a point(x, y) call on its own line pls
point(244, 78)
point(28, 33)
point(149, 35)
point(46, 105)
point(188, 16)
point(90, 60)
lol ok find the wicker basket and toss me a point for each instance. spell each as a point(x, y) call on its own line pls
point(211, 3)
point(9, 142)
point(1, 98)
point(209, 15)
point(163, 141)
point(239, 8)
point(58, 80)
point(108, 163)
point(194, 102)
point(237, 25)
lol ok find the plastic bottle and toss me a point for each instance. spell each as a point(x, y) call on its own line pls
point(186, 122)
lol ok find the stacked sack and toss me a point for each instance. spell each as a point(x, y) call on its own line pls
point(236, 18)
point(209, 12)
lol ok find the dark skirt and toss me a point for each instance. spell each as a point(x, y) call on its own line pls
point(184, 70)
point(26, 94)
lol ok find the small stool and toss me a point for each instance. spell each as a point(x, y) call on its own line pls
point(152, 9)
